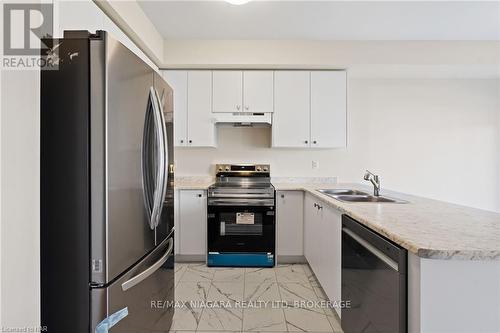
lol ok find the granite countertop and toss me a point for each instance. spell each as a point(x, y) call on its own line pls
point(428, 228)
point(193, 183)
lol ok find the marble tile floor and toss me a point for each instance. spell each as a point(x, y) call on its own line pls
point(265, 288)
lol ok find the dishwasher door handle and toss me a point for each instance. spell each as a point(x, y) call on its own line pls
point(376, 252)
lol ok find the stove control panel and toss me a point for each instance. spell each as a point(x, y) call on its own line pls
point(242, 168)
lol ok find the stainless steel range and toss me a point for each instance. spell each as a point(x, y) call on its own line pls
point(241, 217)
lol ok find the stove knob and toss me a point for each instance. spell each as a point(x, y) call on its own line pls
point(220, 168)
point(227, 168)
point(258, 169)
point(265, 169)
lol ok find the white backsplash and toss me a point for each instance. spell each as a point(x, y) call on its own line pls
point(302, 180)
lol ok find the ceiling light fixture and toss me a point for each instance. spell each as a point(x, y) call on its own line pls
point(238, 2)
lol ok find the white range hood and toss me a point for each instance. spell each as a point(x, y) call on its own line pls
point(243, 118)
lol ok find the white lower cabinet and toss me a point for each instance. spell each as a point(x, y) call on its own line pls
point(289, 223)
point(322, 248)
point(192, 217)
point(311, 233)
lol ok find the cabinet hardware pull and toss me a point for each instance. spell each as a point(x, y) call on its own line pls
point(246, 108)
point(182, 141)
point(306, 142)
point(238, 107)
point(199, 195)
point(314, 141)
point(190, 141)
point(282, 195)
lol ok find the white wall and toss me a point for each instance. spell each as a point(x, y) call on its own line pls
point(423, 59)
point(19, 196)
point(130, 17)
point(20, 244)
point(86, 15)
point(437, 138)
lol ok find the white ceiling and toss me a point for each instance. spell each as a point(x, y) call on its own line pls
point(326, 20)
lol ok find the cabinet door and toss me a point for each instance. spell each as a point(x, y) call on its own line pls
point(331, 255)
point(328, 109)
point(258, 91)
point(227, 91)
point(200, 121)
point(290, 212)
point(311, 246)
point(178, 80)
point(193, 220)
point(291, 109)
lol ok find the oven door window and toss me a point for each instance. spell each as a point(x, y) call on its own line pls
point(241, 224)
point(240, 229)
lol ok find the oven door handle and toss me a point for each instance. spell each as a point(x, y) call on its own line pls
point(376, 252)
point(261, 195)
point(240, 202)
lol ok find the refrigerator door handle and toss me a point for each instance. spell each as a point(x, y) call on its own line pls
point(153, 196)
point(146, 164)
point(164, 158)
point(150, 163)
point(158, 193)
point(149, 271)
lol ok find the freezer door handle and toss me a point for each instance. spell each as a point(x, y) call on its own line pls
point(149, 271)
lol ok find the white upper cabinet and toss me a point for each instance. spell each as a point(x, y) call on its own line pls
point(227, 91)
point(178, 81)
point(243, 91)
point(193, 120)
point(258, 91)
point(201, 123)
point(309, 109)
point(328, 109)
point(291, 109)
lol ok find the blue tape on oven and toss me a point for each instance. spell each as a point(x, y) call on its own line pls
point(110, 321)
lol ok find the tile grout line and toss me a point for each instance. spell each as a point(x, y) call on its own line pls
point(320, 297)
point(203, 309)
point(281, 298)
point(243, 297)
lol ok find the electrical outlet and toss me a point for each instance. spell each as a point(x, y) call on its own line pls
point(315, 164)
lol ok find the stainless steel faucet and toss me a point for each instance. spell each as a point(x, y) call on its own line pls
point(374, 179)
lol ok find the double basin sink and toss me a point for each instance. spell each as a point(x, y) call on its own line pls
point(348, 195)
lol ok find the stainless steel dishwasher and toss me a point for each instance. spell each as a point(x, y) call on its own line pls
point(373, 280)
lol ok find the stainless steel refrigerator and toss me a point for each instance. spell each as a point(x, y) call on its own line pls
point(106, 188)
